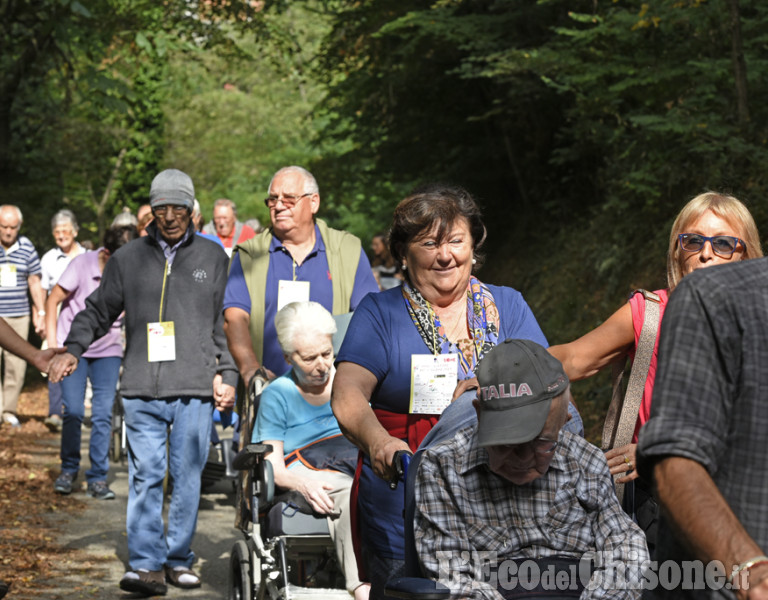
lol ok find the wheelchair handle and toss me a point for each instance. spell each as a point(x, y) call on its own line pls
point(400, 463)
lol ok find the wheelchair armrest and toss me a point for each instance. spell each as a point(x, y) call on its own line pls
point(416, 588)
point(250, 456)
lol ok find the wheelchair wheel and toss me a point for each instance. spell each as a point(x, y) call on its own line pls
point(240, 580)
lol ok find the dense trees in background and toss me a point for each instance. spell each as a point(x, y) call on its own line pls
point(582, 126)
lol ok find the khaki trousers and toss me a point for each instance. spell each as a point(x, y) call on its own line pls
point(13, 368)
point(340, 528)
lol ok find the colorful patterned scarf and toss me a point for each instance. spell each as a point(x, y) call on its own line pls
point(484, 325)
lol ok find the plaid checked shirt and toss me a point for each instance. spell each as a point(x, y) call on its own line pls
point(710, 397)
point(463, 508)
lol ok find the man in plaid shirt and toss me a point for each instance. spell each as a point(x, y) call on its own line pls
point(512, 503)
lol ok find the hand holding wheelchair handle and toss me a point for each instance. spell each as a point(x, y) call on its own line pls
point(382, 454)
point(258, 381)
point(400, 462)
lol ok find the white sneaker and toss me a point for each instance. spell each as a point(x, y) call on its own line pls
point(11, 419)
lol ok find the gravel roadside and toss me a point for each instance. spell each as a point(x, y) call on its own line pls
point(84, 553)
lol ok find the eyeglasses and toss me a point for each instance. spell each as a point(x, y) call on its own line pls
point(541, 446)
point(722, 245)
point(162, 211)
point(544, 446)
point(289, 200)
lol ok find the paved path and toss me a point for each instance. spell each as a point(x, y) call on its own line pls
point(99, 531)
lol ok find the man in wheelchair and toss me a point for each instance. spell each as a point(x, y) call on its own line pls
point(513, 507)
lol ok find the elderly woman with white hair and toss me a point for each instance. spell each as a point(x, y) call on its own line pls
point(53, 263)
point(296, 419)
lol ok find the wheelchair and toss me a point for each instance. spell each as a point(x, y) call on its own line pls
point(286, 551)
point(413, 585)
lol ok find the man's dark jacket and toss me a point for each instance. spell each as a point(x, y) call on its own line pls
point(194, 290)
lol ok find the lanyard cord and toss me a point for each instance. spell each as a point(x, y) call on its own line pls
point(432, 318)
point(435, 340)
point(162, 293)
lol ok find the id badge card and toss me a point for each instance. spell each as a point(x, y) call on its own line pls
point(433, 379)
point(8, 276)
point(291, 291)
point(161, 341)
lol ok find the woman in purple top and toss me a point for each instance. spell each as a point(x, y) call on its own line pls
point(101, 364)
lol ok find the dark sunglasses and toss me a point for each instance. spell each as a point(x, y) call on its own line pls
point(722, 245)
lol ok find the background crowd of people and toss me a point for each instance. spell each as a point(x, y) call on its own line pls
point(177, 311)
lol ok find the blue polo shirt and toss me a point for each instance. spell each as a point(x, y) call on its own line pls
point(314, 269)
point(22, 256)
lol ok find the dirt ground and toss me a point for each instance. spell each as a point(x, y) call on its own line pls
point(28, 551)
point(72, 547)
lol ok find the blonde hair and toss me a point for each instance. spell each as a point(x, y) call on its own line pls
point(726, 207)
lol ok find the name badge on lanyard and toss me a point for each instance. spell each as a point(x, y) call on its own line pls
point(291, 291)
point(8, 276)
point(433, 380)
point(161, 341)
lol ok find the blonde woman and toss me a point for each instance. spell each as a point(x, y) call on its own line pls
point(712, 229)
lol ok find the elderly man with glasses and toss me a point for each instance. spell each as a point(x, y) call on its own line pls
point(176, 369)
point(513, 504)
point(299, 258)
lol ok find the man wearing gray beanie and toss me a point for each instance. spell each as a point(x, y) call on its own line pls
point(177, 368)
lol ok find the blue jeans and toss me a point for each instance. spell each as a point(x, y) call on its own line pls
point(103, 373)
point(186, 447)
point(55, 399)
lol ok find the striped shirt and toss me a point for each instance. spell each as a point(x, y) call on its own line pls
point(20, 259)
point(464, 511)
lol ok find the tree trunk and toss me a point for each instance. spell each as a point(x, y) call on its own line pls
point(101, 207)
point(739, 64)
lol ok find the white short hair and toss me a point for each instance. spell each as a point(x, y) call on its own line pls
point(13, 207)
point(307, 318)
point(310, 183)
point(226, 203)
point(64, 217)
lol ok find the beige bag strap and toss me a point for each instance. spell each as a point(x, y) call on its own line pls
point(622, 414)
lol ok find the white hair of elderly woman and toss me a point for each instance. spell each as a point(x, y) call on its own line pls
point(306, 318)
point(64, 217)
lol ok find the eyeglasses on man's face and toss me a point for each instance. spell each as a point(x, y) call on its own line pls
point(540, 445)
point(162, 211)
point(289, 200)
point(722, 245)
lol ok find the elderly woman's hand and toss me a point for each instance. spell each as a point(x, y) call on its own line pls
point(315, 493)
point(622, 460)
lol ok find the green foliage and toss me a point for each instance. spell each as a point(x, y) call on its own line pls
point(581, 127)
point(237, 115)
point(81, 121)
